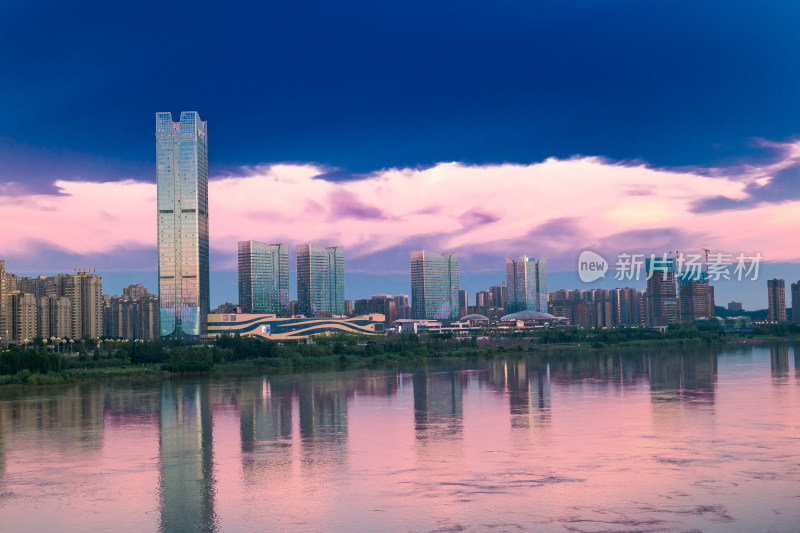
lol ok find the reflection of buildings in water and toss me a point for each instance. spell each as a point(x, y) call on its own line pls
point(265, 409)
point(186, 480)
point(76, 415)
point(779, 360)
point(374, 385)
point(529, 396)
point(323, 425)
point(265, 412)
point(688, 377)
point(796, 350)
point(3, 437)
point(438, 404)
point(323, 411)
point(131, 406)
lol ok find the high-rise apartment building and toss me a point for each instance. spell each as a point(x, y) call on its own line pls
point(183, 268)
point(526, 284)
point(434, 285)
point(382, 304)
point(695, 297)
point(85, 293)
point(4, 333)
point(776, 296)
point(661, 298)
point(320, 280)
point(65, 305)
point(264, 277)
point(132, 316)
point(795, 290)
point(401, 304)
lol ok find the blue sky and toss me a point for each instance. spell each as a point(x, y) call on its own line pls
point(353, 88)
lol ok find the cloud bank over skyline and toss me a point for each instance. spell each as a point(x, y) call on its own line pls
point(554, 208)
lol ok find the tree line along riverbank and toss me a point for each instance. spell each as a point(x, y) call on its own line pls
point(35, 365)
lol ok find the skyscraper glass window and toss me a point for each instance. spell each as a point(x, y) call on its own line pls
point(526, 284)
point(264, 277)
point(434, 285)
point(320, 280)
point(183, 269)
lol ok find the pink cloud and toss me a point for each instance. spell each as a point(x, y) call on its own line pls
point(508, 208)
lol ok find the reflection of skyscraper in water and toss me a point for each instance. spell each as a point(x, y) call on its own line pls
point(323, 411)
point(266, 412)
point(438, 401)
point(779, 360)
point(186, 481)
point(528, 389)
point(690, 376)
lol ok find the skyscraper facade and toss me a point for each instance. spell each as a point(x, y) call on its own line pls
point(264, 277)
point(320, 280)
point(795, 290)
point(183, 267)
point(526, 284)
point(434, 285)
point(776, 296)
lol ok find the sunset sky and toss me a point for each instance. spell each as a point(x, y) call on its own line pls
point(491, 129)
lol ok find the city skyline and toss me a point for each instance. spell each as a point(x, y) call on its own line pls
point(614, 145)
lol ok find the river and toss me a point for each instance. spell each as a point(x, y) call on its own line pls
point(695, 439)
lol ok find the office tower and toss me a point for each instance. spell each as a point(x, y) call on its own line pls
point(320, 280)
point(695, 297)
point(434, 285)
point(182, 175)
point(499, 295)
point(776, 295)
point(264, 277)
point(463, 303)
point(661, 297)
point(526, 284)
point(348, 307)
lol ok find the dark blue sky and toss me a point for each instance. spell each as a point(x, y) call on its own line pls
point(363, 85)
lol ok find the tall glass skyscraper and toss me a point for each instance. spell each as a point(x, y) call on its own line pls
point(264, 277)
point(182, 173)
point(434, 285)
point(526, 284)
point(320, 280)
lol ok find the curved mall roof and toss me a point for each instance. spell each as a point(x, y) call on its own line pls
point(528, 314)
point(476, 317)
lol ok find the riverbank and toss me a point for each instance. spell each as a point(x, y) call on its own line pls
point(246, 356)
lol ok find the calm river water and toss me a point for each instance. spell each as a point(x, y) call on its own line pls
point(695, 440)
